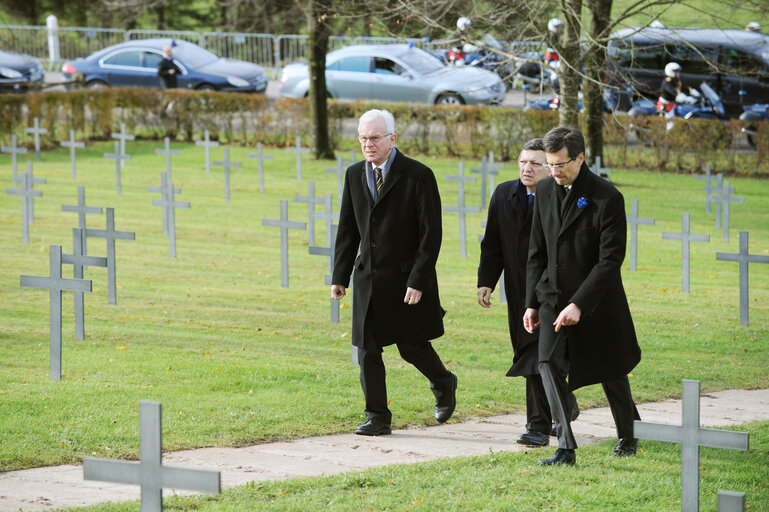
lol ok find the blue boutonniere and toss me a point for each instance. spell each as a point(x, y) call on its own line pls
point(581, 202)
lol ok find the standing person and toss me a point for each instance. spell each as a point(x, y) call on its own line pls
point(391, 212)
point(574, 291)
point(168, 71)
point(505, 246)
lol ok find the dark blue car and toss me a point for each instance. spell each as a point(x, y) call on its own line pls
point(18, 71)
point(135, 63)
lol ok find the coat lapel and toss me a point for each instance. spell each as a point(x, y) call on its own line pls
point(583, 185)
point(364, 184)
point(396, 169)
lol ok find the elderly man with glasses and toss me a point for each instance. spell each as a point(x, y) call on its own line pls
point(390, 217)
point(574, 291)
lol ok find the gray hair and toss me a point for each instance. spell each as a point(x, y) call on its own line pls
point(374, 114)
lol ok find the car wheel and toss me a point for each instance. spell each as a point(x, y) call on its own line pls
point(96, 84)
point(449, 98)
point(205, 87)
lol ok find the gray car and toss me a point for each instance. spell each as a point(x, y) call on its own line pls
point(396, 72)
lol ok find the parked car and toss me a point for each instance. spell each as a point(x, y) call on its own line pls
point(18, 72)
point(734, 62)
point(135, 63)
point(396, 72)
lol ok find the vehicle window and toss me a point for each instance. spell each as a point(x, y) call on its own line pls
point(130, 58)
point(742, 63)
point(387, 66)
point(421, 61)
point(360, 64)
point(152, 59)
point(193, 55)
point(697, 61)
point(628, 54)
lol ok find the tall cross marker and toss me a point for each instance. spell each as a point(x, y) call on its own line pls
point(329, 253)
point(493, 167)
point(28, 195)
point(634, 220)
point(207, 143)
point(716, 194)
point(485, 171)
point(169, 205)
point(596, 169)
point(15, 151)
point(685, 236)
point(162, 191)
point(168, 152)
point(718, 180)
point(311, 199)
point(260, 158)
point(726, 199)
point(81, 209)
point(56, 284)
point(79, 260)
point(340, 171)
point(461, 209)
point(707, 178)
point(122, 136)
point(118, 157)
point(744, 258)
point(111, 235)
point(298, 150)
point(226, 164)
point(37, 132)
point(284, 224)
point(32, 182)
point(149, 472)
point(690, 436)
point(72, 144)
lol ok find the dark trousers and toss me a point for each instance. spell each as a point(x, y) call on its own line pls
point(538, 415)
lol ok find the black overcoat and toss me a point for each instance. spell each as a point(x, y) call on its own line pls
point(399, 238)
point(578, 260)
point(505, 246)
point(169, 80)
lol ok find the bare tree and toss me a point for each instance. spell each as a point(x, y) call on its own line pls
point(317, 45)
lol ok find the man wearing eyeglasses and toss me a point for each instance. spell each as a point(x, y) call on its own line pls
point(574, 291)
point(391, 212)
point(505, 246)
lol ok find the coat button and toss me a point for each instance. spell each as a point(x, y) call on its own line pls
point(373, 244)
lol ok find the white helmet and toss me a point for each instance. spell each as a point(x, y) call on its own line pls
point(464, 23)
point(753, 26)
point(672, 68)
point(554, 25)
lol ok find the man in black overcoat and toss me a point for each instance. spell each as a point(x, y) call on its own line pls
point(390, 217)
point(505, 246)
point(574, 291)
point(168, 71)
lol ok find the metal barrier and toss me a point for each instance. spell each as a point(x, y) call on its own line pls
point(77, 42)
point(256, 48)
point(31, 40)
point(186, 35)
point(293, 48)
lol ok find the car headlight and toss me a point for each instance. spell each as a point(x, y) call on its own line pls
point(9, 73)
point(237, 82)
point(479, 93)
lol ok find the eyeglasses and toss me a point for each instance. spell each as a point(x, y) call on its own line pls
point(532, 163)
point(374, 139)
point(561, 165)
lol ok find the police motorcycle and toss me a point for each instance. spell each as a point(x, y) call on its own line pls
point(752, 115)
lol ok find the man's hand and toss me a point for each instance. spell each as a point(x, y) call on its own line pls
point(484, 296)
point(171, 71)
point(412, 296)
point(570, 315)
point(337, 291)
point(530, 320)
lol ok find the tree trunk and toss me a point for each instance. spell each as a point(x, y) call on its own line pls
point(569, 68)
point(595, 70)
point(317, 47)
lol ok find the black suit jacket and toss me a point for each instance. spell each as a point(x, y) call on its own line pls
point(577, 259)
point(399, 238)
point(505, 246)
point(170, 81)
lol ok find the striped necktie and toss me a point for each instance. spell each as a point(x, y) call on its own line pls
point(378, 179)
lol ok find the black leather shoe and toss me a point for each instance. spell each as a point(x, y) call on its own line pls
point(373, 427)
point(561, 456)
point(626, 447)
point(533, 438)
point(574, 416)
point(444, 407)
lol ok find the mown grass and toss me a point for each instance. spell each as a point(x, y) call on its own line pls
point(236, 359)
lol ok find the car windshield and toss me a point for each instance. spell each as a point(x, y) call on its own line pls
point(193, 55)
point(421, 61)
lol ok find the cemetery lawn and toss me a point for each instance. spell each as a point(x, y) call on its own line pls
point(237, 360)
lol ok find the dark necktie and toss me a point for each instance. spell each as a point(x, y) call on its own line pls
point(378, 179)
point(531, 203)
point(561, 192)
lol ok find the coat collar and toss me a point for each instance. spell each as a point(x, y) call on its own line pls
point(396, 170)
point(519, 195)
point(582, 187)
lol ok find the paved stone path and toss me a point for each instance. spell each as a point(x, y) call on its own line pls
point(63, 486)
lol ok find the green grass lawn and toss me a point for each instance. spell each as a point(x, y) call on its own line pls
point(236, 359)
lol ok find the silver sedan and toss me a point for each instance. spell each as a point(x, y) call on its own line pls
point(396, 72)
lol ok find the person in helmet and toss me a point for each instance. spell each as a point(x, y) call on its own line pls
point(753, 26)
point(555, 30)
point(670, 91)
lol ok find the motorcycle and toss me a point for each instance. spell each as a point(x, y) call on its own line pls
point(706, 105)
point(753, 114)
point(488, 54)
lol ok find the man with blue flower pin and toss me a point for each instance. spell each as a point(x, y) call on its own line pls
point(574, 291)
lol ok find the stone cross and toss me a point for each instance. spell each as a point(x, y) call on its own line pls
point(27, 194)
point(81, 209)
point(298, 150)
point(340, 171)
point(168, 152)
point(729, 501)
point(111, 235)
point(311, 199)
point(690, 436)
point(718, 180)
point(726, 199)
point(329, 253)
point(718, 197)
point(162, 191)
point(485, 172)
point(707, 178)
point(169, 205)
point(461, 209)
point(32, 181)
point(634, 220)
point(284, 226)
point(260, 158)
point(37, 132)
point(502, 292)
point(493, 167)
point(227, 164)
point(118, 157)
point(79, 259)
point(14, 150)
point(685, 236)
point(122, 136)
point(56, 284)
point(744, 258)
point(207, 143)
point(328, 215)
point(72, 144)
point(353, 158)
point(596, 169)
point(150, 473)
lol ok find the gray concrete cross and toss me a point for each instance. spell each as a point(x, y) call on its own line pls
point(169, 205)
point(150, 473)
point(15, 151)
point(634, 220)
point(162, 191)
point(729, 501)
point(37, 132)
point(461, 209)
point(485, 171)
point(81, 209)
point(260, 158)
point(495, 167)
point(707, 178)
point(55, 284)
point(226, 164)
point(501, 283)
point(298, 150)
point(718, 180)
point(118, 157)
point(122, 136)
point(110, 234)
point(284, 224)
point(167, 151)
point(27, 194)
point(744, 258)
point(339, 171)
point(726, 199)
point(685, 236)
point(596, 169)
point(73, 145)
point(32, 182)
point(207, 143)
point(690, 436)
point(79, 260)
point(329, 253)
point(328, 215)
point(311, 199)
point(717, 196)
point(353, 158)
